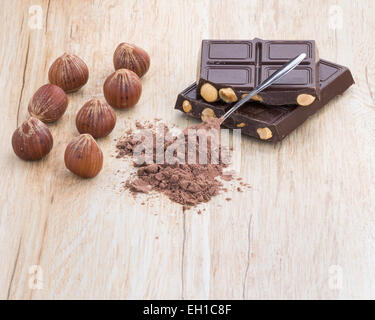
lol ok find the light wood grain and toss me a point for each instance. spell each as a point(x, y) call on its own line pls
point(311, 205)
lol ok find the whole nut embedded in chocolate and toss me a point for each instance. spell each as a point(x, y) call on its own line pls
point(227, 95)
point(209, 92)
point(186, 106)
point(305, 99)
point(207, 113)
point(264, 133)
point(240, 125)
point(257, 97)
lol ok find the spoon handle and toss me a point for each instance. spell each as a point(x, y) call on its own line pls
point(286, 68)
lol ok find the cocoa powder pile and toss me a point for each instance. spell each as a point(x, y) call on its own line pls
point(183, 182)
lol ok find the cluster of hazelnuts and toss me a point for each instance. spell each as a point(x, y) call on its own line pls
point(122, 89)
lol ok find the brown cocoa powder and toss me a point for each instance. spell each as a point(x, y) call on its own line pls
point(182, 182)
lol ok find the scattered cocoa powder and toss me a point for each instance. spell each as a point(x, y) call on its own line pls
point(183, 182)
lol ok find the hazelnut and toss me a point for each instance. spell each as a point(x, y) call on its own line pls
point(48, 103)
point(32, 140)
point(264, 133)
point(228, 95)
point(97, 118)
point(305, 99)
point(207, 113)
point(129, 56)
point(186, 106)
point(69, 72)
point(209, 92)
point(122, 89)
point(257, 98)
point(83, 156)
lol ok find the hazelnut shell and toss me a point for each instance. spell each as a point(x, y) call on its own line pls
point(129, 56)
point(69, 72)
point(122, 89)
point(32, 140)
point(48, 103)
point(97, 118)
point(83, 156)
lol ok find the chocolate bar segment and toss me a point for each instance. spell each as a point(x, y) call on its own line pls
point(266, 122)
point(230, 68)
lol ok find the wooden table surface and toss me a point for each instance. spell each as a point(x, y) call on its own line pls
point(306, 228)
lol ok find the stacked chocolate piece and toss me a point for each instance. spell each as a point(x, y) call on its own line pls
point(229, 69)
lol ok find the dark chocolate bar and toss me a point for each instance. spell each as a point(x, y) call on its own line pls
point(230, 68)
point(271, 123)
